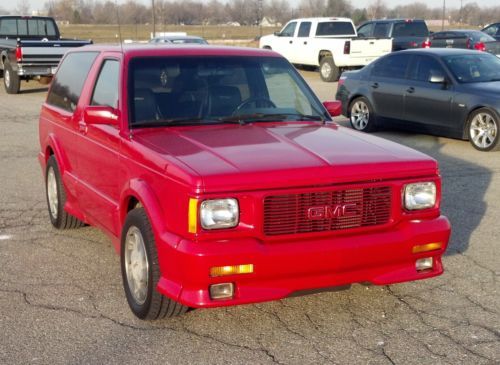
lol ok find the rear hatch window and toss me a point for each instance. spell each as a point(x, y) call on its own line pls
point(410, 29)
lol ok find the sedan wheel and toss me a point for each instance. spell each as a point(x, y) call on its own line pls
point(483, 130)
point(361, 115)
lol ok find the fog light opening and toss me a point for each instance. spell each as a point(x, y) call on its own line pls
point(221, 291)
point(424, 264)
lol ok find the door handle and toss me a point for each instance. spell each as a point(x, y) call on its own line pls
point(410, 90)
point(375, 85)
point(305, 42)
point(82, 127)
point(290, 42)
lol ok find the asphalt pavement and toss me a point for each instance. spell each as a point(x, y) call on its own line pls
point(62, 302)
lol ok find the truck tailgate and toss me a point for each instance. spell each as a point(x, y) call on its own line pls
point(370, 48)
point(46, 52)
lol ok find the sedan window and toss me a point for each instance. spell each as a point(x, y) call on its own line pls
point(392, 66)
point(426, 67)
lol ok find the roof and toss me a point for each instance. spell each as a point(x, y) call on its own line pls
point(151, 50)
point(394, 20)
point(323, 19)
point(177, 36)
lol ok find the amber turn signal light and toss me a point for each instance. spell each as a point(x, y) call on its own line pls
point(427, 247)
point(231, 270)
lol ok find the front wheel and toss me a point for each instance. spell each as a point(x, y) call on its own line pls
point(11, 80)
point(483, 130)
point(328, 71)
point(141, 270)
point(361, 115)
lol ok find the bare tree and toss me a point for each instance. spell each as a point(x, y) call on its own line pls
point(23, 7)
point(377, 9)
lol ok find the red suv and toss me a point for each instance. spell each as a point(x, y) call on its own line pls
point(221, 179)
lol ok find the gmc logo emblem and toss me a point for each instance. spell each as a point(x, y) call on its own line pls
point(335, 211)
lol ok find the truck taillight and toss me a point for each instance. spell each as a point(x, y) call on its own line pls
point(480, 46)
point(426, 44)
point(347, 47)
point(19, 53)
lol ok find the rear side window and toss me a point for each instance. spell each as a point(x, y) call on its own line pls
point(335, 28)
point(393, 66)
point(304, 29)
point(106, 87)
point(410, 29)
point(68, 83)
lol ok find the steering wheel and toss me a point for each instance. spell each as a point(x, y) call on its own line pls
point(248, 101)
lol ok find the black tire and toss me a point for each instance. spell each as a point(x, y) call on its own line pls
point(154, 305)
point(483, 129)
point(328, 71)
point(11, 80)
point(60, 219)
point(361, 115)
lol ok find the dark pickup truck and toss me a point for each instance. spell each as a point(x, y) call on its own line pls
point(405, 33)
point(467, 39)
point(30, 48)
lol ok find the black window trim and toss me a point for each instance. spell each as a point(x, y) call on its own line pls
point(101, 66)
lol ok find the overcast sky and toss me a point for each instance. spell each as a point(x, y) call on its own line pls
point(38, 4)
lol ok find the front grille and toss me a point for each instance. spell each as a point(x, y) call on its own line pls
point(331, 210)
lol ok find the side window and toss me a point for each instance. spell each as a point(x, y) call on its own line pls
point(106, 87)
point(8, 27)
point(426, 66)
point(304, 29)
point(289, 30)
point(492, 30)
point(381, 30)
point(393, 66)
point(366, 30)
point(67, 85)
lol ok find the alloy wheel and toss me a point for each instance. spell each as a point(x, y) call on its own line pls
point(483, 130)
point(52, 194)
point(360, 115)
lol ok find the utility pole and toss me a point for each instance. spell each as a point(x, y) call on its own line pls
point(260, 17)
point(444, 12)
point(154, 20)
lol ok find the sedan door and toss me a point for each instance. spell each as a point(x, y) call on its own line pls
point(429, 102)
point(388, 84)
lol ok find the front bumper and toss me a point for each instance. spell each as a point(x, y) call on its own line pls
point(284, 268)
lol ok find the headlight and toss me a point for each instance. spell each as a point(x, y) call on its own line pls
point(219, 213)
point(420, 195)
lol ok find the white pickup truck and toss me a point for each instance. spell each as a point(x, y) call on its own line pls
point(330, 43)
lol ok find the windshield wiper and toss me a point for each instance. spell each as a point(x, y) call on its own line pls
point(261, 117)
point(176, 122)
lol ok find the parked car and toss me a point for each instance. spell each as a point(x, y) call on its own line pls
point(330, 43)
point(449, 92)
point(467, 39)
point(30, 48)
point(405, 33)
point(493, 30)
point(179, 39)
point(222, 180)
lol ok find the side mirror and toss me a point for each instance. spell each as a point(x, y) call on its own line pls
point(96, 114)
point(437, 78)
point(277, 34)
point(333, 107)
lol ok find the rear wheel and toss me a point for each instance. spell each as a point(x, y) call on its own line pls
point(328, 71)
point(11, 80)
point(484, 127)
point(141, 270)
point(361, 115)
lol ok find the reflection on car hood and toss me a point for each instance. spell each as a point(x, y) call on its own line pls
point(263, 155)
point(483, 88)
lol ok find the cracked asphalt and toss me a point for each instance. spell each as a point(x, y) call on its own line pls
point(62, 302)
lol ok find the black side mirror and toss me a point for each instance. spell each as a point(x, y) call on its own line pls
point(277, 34)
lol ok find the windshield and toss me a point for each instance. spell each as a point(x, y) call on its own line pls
point(217, 89)
point(471, 68)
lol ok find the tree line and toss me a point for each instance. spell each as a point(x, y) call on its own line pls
point(246, 12)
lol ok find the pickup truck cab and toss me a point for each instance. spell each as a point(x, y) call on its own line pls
point(30, 48)
point(222, 180)
point(405, 33)
point(330, 43)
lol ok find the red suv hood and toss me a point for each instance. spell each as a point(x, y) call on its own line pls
point(274, 155)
